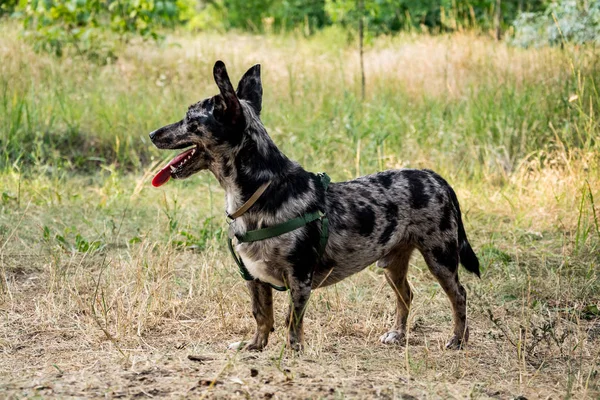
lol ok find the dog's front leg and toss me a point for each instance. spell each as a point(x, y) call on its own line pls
point(262, 309)
point(299, 295)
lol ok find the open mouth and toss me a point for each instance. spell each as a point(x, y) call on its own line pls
point(173, 167)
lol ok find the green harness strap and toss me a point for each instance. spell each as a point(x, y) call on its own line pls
point(280, 229)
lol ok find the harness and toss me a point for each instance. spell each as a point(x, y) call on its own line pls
point(276, 230)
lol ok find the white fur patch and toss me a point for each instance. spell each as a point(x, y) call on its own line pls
point(260, 270)
point(236, 346)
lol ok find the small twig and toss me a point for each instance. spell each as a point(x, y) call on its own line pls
point(95, 317)
point(496, 322)
point(200, 359)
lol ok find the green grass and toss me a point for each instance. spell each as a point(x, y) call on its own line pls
point(488, 104)
point(108, 284)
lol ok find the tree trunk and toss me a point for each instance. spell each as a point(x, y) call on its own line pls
point(361, 8)
point(498, 19)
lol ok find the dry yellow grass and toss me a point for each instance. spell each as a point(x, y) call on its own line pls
point(122, 321)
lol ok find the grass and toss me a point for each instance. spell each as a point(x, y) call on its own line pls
point(107, 285)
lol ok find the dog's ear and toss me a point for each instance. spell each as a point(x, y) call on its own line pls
point(250, 88)
point(230, 109)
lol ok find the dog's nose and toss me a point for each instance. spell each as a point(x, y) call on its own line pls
point(152, 134)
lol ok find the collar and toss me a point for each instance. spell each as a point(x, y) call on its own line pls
point(250, 202)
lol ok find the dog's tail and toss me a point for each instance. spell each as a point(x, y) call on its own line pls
point(466, 254)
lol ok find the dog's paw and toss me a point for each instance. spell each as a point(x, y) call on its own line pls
point(236, 346)
point(393, 337)
point(296, 347)
point(456, 343)
point(250, 346)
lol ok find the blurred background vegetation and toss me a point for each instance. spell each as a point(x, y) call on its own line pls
point(76, 90)
point(86, 26)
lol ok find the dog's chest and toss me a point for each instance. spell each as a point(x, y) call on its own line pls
point(260, 269)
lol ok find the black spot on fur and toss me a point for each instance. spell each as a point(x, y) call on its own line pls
point(386, 235)
point(367, 193)
point(418, 198)
point(294, 186)
point(391, 215)
point(446, 219)
point(440, 197)
point(365, 217)
point(385, 179)
point(446, 256)
point(337, 208)
point(293, 181)
point(304, 254)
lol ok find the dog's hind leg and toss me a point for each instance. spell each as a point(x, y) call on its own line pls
point(262, 309)
point(396, 268)
point(443, 264)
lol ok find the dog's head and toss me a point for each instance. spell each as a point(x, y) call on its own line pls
point(211, 127)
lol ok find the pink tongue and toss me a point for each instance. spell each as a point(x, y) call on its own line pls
point(162, 177)
point(165, 174)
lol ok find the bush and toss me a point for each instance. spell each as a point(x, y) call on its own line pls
point(89, 27)
point(8, 6)
point(380, 16)
point(576, 22)
point(260, 15)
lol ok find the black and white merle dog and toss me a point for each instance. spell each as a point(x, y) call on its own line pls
point(376, 218)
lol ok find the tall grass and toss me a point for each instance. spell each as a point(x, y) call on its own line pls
point(103, 276)
point(461, 100)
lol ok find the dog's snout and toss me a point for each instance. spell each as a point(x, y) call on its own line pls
point(157, 134)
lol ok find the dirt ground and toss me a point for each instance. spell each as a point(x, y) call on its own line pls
point(514, 350)
point(123, 319)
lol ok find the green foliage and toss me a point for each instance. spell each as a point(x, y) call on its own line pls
point(197, 238)
point(565, 20)
point(307, 13)
point(201, 15)
point(246, 14)
point(71, 240)
point(8, 6)
point(96, 27)
point(262, 15)
point(381, 16)
point(387, 16)
point(92, 27)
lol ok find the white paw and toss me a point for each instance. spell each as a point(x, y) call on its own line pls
point(456, 343)
point(236, 346)
point(392, 337)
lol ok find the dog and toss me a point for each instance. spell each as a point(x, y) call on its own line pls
point(378, 218)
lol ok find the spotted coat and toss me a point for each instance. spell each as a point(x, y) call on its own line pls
point(378, 218)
